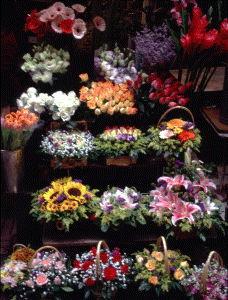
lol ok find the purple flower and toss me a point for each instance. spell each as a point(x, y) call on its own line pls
point(130, 138)
point(172, 269)
point(202, 207)
point(61, 197)
point(108, 210)
point(119, 189)
point(120, 199)
point(69, 140)
point(55, 145)
point(87, 196)
point(139, 197)
point(50, 139)
point(190, 188)
point(137, 206)
point(77, 180)
point(41, 200)
point(163, 127)
point(89, 257)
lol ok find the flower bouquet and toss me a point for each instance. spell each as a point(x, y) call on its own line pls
point(160, 270)
point(208, 281)
point(119, 206)
point(121, 141)
point(59, 105)
point(46, 62)
point(65, 201)
point(102, 272)
point(62, 145)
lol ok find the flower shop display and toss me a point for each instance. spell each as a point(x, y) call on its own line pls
point(62, 144)
point(117, 207)
point(208, 281)
point(175, 136)
point(59, 105)
point(61, 19)
point(114, 65)
point(65, 201)
point(46, 63)
point(102, 272)
point(199, 46)
point(160, 270)
point(155, 49)
point(121, 142)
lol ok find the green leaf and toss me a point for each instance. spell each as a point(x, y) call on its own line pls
point(144, 286)
point(142, 107)
point(80, 285)
point(184, 20)
point(87, 293)
point(167, 153)
point(67, 289)
point(175, 38)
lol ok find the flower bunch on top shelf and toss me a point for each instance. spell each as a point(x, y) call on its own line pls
point(59, 18)
point(119, 206)
point(114, 65)
point(46, 62)
point(65, 200)
point(118, 141)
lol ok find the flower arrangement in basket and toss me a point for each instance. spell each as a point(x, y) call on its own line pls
point(119, 206)
point(58, 106)
point(102, 272)
point(121, 141)
point(208, 281)
point(65, 201)
point(175, 136)
point(46, 63)
point(160, 270)
point(17, 128)
point(106, 97)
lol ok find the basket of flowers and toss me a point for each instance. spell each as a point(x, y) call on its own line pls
point(161, 270)
point(102, 272)
point(121, 145)
point(208, 281)
point(65, 201)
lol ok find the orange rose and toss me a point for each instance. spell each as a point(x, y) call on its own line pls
point(25, 112)
point(84, 90)
point(153, 280)
point(8, 124)
point(91, 104)
point(84, 77)
point(131, 110)
point(110, 110)
point(83, 97)
point(179, 274)
point(158, 255)
point(103, 108)
point(150, 265)
point(97, 111)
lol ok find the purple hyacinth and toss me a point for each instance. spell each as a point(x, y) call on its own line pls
point(135, 198)
point(190, 188)
point(77, 180)
point(55, 145)
point(120, 199)
point(61, 197)
point(137, 206)
point(130, 138)
point(87, 196)
point(202, 207)
point(172, 269)
point(41, 200)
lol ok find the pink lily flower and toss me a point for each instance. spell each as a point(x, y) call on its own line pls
point(169, 201)
point(176, 181)
point(204, 182)
point(184, 210)
point(160, 191)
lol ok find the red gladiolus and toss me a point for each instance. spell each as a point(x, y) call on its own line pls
point(86, 265)
point(136, 85)
point(162, 100)
point(197, 38)
point(153, 96)
point(117, 257)
point(186, 41)
point(77, 264)
point(169, 80)
point(224, 46)
point(174, 94)
point(90, 282)
point(124, 269)
point(140, 78)
point(169, 99)
point(168, 91)
point(149, 79)
point(66, 25)
point(110, 273)
point(224, 29)
point(209, 40)
point(155, 75)
point(183, 101)
point(196, 14)
point(103, 257)
point(172, 104)
point(129, 83)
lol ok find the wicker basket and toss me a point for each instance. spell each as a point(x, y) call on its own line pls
point(161, 242)
point(122, 161)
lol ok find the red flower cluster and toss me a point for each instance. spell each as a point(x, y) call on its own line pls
point(186, 135)
point(110, 273)
point(86, 265)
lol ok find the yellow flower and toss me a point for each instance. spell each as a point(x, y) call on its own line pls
point(179, 274)
point(84, 77)
point(61, 181)
point(53, 193)
point(157, 255)
point(150, 265)
point(175, 123)
point(139, 259)
point(177, 130)
point(153, 280)
point(74, 190)
point(184, 264)
point(63, 208)
point(49, 206)
point(74, 204)
point(42, 208)
point(171, 253)
point(40, 196)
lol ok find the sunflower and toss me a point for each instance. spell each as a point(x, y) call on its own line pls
point(63, 208)
point(42, 208)
point(175, 123)
point(74, 204)
point(61, 181)
point(49, 206)
point(53, 193)
point(74, 190)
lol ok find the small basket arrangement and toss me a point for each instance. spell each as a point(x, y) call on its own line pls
point(160, 270)
point(121, 145)
point(65, 201)
point(119, 207)
point(208, 281)
point(102, 272)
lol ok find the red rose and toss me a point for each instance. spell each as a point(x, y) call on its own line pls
point(186, 41)
point(129, 83)
point(109, 273)
point(103, 257)
point(224, 29)
point(90, 282)
point(168, 99)
point(77, 264)
point(153, 96)
point(174, 94)
point(93, 217)
point(149, 79)
point(117, 257)
point(136, 85)
point(209, 39)
point(176, 84)
point(168, 91)
point(86, 265)
point(124, 269)
point(34, 23)
point(140, 78)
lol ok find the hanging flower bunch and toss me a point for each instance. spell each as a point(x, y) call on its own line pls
point(46, 62)
point(62, 143)
point(22, 254)
point(174, 137)
point(151, 272)
point(59, 105)
point(119, 206)
point(119, 141)
point(114, 65)
point(116, 271)
point(64, 200)
point(60, 19)
point(17, 128)
point(108, 98)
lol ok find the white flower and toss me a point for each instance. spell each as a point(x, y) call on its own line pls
point(64, 116)
point(47, 77)
point(39, 108)
point(27, 57)
point(209, 206)
point(165, 134)
point(36, 76)
point(56, 116)
point(31, 91)
point(66, 55)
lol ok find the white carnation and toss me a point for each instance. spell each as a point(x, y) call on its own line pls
point(47, 77)
point(36, 76)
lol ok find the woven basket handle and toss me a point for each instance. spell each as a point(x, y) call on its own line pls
point(218, 259)
point(98, 263)
point(161, 241)
point(18, 245)
point(176, 107)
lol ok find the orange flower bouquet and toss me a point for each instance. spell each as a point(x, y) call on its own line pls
point(17, 128)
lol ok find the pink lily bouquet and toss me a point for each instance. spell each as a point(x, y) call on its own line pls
point(189, 205)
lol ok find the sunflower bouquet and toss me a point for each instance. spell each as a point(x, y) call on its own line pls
point(65, 201)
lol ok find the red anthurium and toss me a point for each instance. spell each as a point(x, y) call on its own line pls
point(184, 210)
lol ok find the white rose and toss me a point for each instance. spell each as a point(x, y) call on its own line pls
point(50, 64)
point(36, 76)
point(24, 68)
point(20, 104)
point(66, 55)
point(32, 67)
point(71, 94)
point(39, 108)
point(36, 55)
point(56, 115)
point(49, 100)
point(27, 57)
point(47, 77)
point(40, 66)
point(53, 55)
point(31, 91)
point(64, 116)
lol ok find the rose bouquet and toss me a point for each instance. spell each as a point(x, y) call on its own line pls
point(17, 128)
point(65, 201)
point(118, 141)
point(160, 270)
point(59, 105)
point(119, 206)
point(101, 270)
point(45, 63)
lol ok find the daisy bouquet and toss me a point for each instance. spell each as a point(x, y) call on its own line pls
point(17, 128)
point(59, 105)
point(61, 19)
point(101, 271)
point(118, 141)
point(65, 201)
point(119, 206)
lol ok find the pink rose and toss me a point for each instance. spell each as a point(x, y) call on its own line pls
point(60, 265)
point(57, 281)
point(30, 283)
point(35, 262)
point(41, 279)
point(46, 264)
